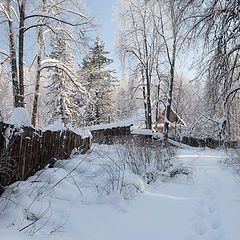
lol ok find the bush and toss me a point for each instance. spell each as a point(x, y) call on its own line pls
point(146, 160)
point(124, 168)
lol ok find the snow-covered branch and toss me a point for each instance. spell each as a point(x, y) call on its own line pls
point(66, 70)
point(135, 54)
point(229, 93)
point(53, 18)
point(39, 25)
point(75, 13)
point(223, 120)
point(3, 52)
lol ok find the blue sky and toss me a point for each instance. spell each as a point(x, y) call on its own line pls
point(103, 11)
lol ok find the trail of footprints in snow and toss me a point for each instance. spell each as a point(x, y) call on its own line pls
point(207, 222)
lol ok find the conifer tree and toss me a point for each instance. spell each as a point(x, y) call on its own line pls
point(65, 98)
point(99, 81)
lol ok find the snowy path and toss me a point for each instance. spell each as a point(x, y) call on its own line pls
point(217, 199)
point(208, 208)
point(205, 208)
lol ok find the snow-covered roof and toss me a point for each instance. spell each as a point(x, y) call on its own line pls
point(139, 131)
point(126, 123)
point(138, 119)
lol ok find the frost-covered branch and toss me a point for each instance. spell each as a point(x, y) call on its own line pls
point(67, 71)
point(3, 52)
point(53, 18)
point(39, 25)
point(223, 120)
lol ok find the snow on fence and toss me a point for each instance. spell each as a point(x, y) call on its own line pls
point(26, 150)
point(119, 131)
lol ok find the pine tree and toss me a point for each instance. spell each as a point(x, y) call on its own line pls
point(65, 97)
point(100, 84)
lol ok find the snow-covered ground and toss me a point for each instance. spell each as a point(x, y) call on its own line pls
point(205, 206)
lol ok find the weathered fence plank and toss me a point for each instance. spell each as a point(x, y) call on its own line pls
point(26, 150)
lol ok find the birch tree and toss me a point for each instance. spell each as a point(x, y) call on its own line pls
point(40, 40)
point(170, 26)
point(139, 46)
point(23, 16)
point(6, 10)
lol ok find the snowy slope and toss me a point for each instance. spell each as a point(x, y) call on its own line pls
point(204, 207)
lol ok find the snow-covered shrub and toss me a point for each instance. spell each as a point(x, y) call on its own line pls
point(125, 168)
point(147, 160)
point(28, 205)
point(112, 174)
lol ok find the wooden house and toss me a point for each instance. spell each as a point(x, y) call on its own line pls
point(174, 118)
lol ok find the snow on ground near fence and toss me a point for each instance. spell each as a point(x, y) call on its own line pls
point(203, 207)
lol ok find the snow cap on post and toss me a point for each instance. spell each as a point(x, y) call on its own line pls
point(20, 117)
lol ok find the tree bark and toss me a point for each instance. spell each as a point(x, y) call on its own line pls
point(13, 56)
point(144, 99)
point(38, 75)
point(157, 103)
point(20, 53)
point(149, 107)
point(148, 82)
point(170, 92)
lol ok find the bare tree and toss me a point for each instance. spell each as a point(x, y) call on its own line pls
point(170, 26)
point(6, 10)
point(38, 74)
point(217, 23)
point(138, 42)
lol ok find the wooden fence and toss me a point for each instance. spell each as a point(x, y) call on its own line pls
point(123, 134)
point(208, 142)
point(25, 151)
point(111, 135)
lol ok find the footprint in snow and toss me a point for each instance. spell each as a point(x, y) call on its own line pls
point(212, 208)
point(215, 222)
point(200, 211)
point(200, 227)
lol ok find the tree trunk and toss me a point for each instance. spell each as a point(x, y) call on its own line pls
point(144, 99)
point(97, 114)
point(148, 80)
point(149, 105)
point(13, 56)
point(38, 75)
point(157, 104)
point(170, 91)
point(20, 56)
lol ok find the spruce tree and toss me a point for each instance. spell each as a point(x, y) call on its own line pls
point(100, 82)
point(65, 98)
